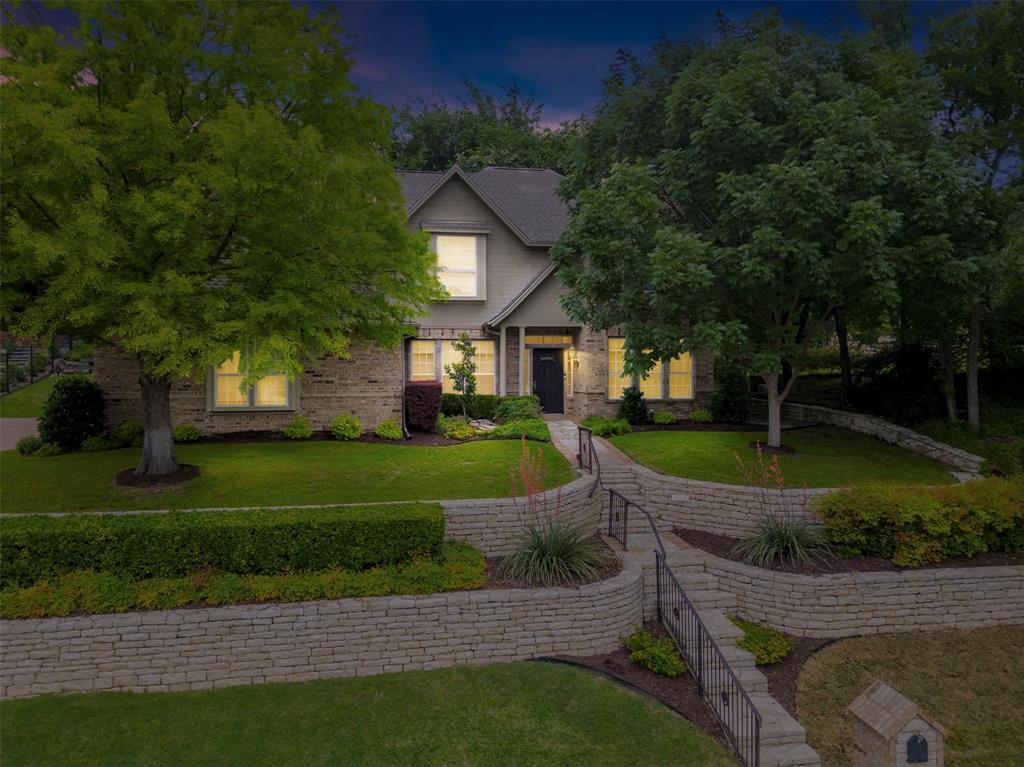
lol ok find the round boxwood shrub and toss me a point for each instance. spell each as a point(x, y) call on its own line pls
point(48, 449)
point(28, 445)
point(299, 428)
point(346, 426)
point(664, 418)
point(700, 415)
point(388, 429)
point(73, 411)
point(128, 434)
point(186, 432)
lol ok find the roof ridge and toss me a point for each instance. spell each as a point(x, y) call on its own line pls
point(406, 170)
point(512, 167)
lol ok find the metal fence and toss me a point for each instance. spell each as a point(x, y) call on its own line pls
point(587, 455)
point(716, 681)
point(618, 516)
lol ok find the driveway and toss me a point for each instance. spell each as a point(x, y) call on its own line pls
point(13, 429)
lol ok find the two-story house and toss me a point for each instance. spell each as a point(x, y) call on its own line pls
point(492, 231)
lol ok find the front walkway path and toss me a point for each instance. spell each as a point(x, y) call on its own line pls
point(13, 429)
point(565, 436)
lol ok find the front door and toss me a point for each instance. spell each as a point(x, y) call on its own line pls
point(547, 379)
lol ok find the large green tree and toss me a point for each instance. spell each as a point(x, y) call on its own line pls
point(758, 211)
point(184, 179)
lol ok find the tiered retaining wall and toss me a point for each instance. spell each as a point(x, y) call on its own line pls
point(204, 648)
point(880, 428)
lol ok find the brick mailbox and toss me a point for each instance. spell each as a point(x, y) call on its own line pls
point(889, 730)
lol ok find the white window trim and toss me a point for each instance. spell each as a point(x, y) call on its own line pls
point(291, 393)
point(481, 261)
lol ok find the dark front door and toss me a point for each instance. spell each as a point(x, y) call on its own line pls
point(547, 379)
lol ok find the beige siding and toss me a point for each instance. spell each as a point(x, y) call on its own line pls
point(541, 307)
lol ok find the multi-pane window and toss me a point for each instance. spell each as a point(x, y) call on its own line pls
point(680, 377)
point(617, 378)
point(484, 359)
point(457, 264)
point(650, 384)
point(271, 391)
point(421, 361)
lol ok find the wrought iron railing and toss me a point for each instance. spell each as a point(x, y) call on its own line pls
point(587, 456)
point(618, 516)
point(716, 681)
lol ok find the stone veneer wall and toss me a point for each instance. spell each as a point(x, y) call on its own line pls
point(204, 648)
point(713, 507)
point(369, 384)
point(493, 524)
point(877, 427)
point(848, 604)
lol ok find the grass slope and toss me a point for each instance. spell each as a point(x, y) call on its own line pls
point(511, 714)
point(971, 682)
point(825, 457)
point(272, 474)
point(26, 402)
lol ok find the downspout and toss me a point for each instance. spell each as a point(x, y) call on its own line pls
point(405, 362)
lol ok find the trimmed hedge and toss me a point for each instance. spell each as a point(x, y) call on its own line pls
point(531, 428)
point(460, 568)
point(258, 542)
point(422, 404)
point(492, 407)
point(917, 525)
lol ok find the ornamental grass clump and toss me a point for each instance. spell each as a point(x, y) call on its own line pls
point(780, 539)
point(555, 553)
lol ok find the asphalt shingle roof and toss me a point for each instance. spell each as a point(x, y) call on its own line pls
point(527, 197)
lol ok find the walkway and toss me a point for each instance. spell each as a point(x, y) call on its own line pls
point(565, 436)
point(14, 429)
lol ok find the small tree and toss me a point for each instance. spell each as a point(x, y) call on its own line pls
point(463, 372)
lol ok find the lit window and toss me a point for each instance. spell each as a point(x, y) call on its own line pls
point(457, 264)
point(421, 361)
point(680, 377)
point(548, 340)
point(484, 359)
point(617, 379)
point(271, 391)
point(651, 384)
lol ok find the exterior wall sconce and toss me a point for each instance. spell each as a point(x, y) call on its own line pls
point(574, 358)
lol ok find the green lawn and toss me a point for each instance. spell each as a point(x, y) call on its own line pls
point(273, 474)
point(971, 682)
point(509, 714)
point(825, 457)
point(26, 402)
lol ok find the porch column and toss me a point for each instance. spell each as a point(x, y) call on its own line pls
point(523, 389)
point(502, 372)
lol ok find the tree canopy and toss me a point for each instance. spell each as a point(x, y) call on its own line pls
point(185, 180)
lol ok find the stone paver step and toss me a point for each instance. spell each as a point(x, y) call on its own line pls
point(712, 599)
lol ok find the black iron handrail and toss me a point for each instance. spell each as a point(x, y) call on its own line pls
point(587, 455)
point(618, 516)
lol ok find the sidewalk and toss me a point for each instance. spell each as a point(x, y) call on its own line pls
point(14, 429)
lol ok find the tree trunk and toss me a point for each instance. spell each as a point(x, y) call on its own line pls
point(973, 346)
point(157, 446)
point(845, 367)
point(949, 377)
point(774, 410)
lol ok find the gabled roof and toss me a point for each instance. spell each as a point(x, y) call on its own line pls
point(521, 296)
point(526, 199)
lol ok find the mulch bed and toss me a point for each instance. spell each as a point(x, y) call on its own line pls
point(416, 439)
point(679, 694)
point(685, 425)
point(185, 472)
point(782, 676)
point(722, 546)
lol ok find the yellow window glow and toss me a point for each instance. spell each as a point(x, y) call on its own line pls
point(227, 382)
point(651, 384)
point(272, 391)
point(680, 377)
point(617, 379)
point(421, 361)
point(484, 359)
point(456, 264)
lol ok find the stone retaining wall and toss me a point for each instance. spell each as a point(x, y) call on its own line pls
point(849, 604)
point(204, 648)
point(877, 427)
point(493, 524)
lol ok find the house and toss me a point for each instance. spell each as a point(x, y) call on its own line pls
point(492, 230)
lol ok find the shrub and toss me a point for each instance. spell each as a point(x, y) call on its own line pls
point(700, 415)
point(460, 568)
point(606, 427)
point(48, 449)
point(555, 552)
point(664, 418)
point(730, 402)
point(765, 643)
point(98, 445)
point(422, 404)
point(517, 409)
point(187, 432)
point(12, 373)
point(480, 406)
point(346, 426)
point(657, 654)
point(455, 427)
point(74, 409)
point(388, 429)
point(265, 542)
point(783, 539)
point(633, 407)
point(128, 434)
point(531, 428)
point(917, 525)
point(28, 445)
point(299, 428)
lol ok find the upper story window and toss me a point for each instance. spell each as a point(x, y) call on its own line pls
point(272, 391)
point(668, 379)
point(460, 264)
